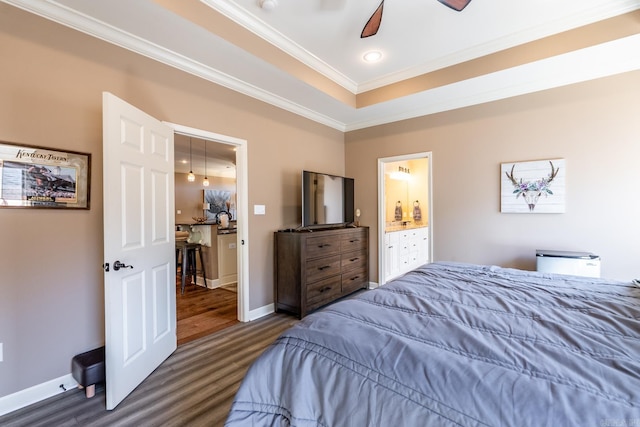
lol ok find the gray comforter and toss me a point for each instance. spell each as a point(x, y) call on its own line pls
point(456, 344)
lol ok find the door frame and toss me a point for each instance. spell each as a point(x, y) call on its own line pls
point(242, 191)
point(381, 207)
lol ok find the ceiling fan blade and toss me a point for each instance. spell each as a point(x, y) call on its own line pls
point(455, 4)
point(371, 28)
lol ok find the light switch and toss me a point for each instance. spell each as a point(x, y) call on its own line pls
point(179, 212)
point(259, 209)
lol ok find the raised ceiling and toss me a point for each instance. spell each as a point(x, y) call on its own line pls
point(306, 56)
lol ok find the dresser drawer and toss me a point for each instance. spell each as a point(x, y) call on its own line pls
point(353, 280)
point(353, 260)
point(323, 292)
point(355, 241)
point(320, 268)
point(322, 246)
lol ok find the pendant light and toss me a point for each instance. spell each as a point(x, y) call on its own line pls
point(205, 182)
point(191, 177)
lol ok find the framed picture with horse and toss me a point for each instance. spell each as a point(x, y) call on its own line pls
point(40, 177)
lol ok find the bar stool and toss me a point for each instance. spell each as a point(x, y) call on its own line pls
point(189, 266)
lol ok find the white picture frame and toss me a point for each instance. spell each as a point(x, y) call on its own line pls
point(533, 186)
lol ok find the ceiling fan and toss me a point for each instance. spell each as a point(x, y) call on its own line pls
point(373, 24)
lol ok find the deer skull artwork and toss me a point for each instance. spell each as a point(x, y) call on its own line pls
point(532, 190)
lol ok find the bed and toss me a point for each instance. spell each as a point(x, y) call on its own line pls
point(452, 344)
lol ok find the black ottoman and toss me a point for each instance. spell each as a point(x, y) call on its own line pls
point(88, 369)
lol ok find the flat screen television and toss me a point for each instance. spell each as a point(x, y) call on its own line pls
point(327, 200)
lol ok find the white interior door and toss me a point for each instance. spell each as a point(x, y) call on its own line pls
point(140, 321)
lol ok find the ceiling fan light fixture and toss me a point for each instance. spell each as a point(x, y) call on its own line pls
point(372, 56)
point(268, 4)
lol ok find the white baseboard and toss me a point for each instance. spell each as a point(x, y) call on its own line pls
point(39, 392)
point(261, 312)
point(34, 394)
point(213, 283)
point(210, 284)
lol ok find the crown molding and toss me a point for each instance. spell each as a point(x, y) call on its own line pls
point(240, 16)
point(73, 19)
point(585, 64)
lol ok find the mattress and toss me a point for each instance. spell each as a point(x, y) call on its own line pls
point(453, 344)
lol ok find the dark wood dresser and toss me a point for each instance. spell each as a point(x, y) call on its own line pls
point(314, 268)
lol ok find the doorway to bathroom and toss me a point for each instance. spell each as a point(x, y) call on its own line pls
point(405, 219)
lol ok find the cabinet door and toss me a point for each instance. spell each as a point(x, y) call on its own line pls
point(418, 247)
point(392, 261)
point(227, 259)
point(423, 248)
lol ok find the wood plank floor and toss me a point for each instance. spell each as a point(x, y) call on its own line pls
point(194, 387)
point(201, 311)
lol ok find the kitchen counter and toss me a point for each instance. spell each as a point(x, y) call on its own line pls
point(227, 230)
point(219, 230)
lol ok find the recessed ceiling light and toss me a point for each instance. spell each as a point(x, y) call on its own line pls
point(372, 56)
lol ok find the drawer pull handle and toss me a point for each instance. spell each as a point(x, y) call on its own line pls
point(355, 278)
point(324, 267)
point(324, 245)
point(354, 259)
point(354, 240)
point(328, 288)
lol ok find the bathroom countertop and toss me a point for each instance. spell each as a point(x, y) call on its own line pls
point(400, 227)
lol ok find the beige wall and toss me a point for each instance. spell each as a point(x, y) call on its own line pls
point(51, 288)
point(51, 281)
point(594, 126)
